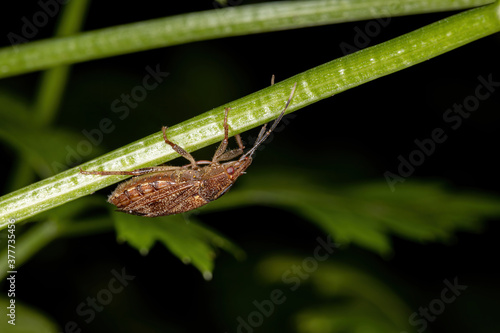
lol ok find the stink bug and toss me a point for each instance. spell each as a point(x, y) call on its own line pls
point(166, 190)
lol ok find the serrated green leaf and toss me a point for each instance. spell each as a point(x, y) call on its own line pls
point(189, 240)
point(367, 214)
point(28, 320)
point(348, 227)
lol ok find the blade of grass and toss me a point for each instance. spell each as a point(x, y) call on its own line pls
point(217, 23)
point(258, 108)
point(54, 81)
point(51, 88)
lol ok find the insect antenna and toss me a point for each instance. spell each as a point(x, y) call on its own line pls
point(263, 134)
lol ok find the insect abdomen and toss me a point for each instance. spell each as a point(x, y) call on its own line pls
point(160, 194)
point(137, 188)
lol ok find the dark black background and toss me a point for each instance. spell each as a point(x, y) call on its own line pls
point(366, 127)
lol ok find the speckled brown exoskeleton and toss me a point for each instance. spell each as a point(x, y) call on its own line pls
point(166, 190)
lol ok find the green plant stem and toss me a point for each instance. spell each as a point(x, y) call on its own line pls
point(210, 24)
point(258, 108)
point(51, 88)
point(54, 81)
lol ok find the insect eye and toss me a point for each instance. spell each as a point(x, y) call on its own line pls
point(230, 170)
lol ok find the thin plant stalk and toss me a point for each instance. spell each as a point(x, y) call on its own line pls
point(260, 107)
point(217, 23)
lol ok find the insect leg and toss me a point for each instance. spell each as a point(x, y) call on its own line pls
point(178, 149)
point(230, 154)
point(263, 129)
point(240, 143)
point(263, 133)
point(221, 154)
point(223, 144)
point(136, 172)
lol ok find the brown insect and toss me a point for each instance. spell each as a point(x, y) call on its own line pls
point(166, 190)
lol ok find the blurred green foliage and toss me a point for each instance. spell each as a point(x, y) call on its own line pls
point(340, 297)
